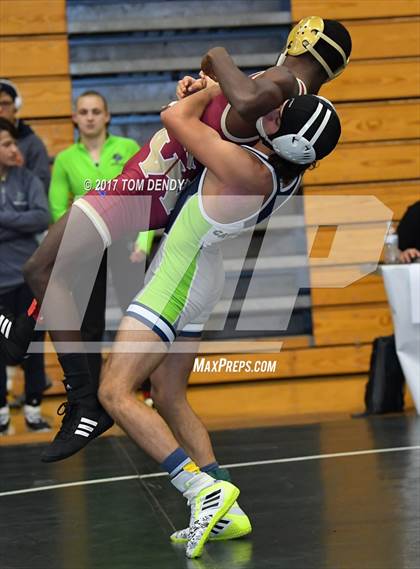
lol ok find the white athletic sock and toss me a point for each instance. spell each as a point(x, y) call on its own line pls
point(191, 483)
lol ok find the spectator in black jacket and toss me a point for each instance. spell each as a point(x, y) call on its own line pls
point(409, 234)
point(23, 213)
point(30, 145)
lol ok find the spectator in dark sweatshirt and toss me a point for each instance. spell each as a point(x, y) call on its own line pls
point(409, 234)
point(23, 213)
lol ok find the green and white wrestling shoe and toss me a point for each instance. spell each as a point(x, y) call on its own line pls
point(233, 525)
point(208, 507)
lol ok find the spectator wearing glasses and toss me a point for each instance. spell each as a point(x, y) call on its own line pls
point(33, 154)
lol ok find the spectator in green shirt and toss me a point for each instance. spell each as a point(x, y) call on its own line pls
point(97, 157)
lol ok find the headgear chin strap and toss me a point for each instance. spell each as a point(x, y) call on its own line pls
point(304, 36)
point(295, 147)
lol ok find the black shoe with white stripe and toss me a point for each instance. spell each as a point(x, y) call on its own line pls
point(15, 336)
point(81, 424)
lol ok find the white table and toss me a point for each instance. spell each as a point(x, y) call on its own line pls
point(402, 284)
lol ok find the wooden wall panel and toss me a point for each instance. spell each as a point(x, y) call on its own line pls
point(395, 195)
point(376, 79)
point(384, 38)
point(295, 363)
point(24, 17)
point(303, 362)
point(45, 97)
point(369, 162)
point(353, 324)
point(354, 9)
point(369, 289)
point(334, 210)
point(34, 56)
point(385, 120)
point(57, 134)
point(354, 244)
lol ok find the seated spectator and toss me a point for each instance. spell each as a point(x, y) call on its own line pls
point(23, 214)
point(34, 153)
point(409, 234)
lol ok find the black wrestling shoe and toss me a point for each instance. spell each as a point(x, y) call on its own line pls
point(15, 337)
point(81, 424)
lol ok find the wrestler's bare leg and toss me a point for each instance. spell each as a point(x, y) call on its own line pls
point(122, 376)
point(169, 393)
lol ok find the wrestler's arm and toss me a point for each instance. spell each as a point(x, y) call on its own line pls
point(229, 162)
point(252, 98)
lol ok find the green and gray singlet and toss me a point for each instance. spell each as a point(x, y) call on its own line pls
point(186, 278)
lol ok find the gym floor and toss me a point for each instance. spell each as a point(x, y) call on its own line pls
point(332, 495)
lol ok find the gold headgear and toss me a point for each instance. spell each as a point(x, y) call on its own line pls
point(304, 36)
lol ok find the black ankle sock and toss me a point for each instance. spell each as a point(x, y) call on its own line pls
point(77, 378)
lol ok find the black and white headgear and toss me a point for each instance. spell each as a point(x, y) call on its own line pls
point(309, 130)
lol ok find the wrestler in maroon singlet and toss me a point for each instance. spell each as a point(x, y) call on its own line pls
point(153, 178)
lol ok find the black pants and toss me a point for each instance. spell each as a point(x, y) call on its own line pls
point(127, 278)
point(93, 325)
point(16, 302)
